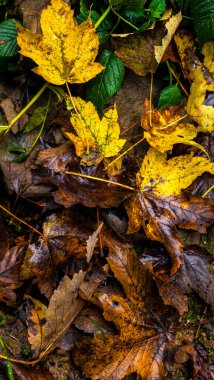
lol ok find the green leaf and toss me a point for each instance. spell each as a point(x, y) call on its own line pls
point(36, 119)
point(183, 4)
point(3, 2)
point(133, 14)
point(107, 83)
point(8, 33)
point(102, 29)
point(157, 7)
point(3, 128)
point(121, 3)
point(170, 96)
point(203, 16)
point(16, 149)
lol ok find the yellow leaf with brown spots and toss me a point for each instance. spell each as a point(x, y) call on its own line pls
point(168, 177)
point(96, 139)
point(208, 52)
point(65, 51)
point(166, 128)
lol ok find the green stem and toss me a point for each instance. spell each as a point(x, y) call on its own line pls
point(33, 100)
point(121, 18)
point(170, 73)
point(187, 17)
point(9, 366)
point(102, 17)
point(42, 127)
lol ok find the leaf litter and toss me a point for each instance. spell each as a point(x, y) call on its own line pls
point(96, 268)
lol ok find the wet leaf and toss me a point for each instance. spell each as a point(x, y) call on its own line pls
point(143, 52)
point(70, 55)
point(101, 137)
point(134, 349)
point(160, 218)
point(91, 242)
point(165, 130)
point(47, 324)
point(168, 177)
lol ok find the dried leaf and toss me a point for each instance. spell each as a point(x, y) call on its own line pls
point(91, 321)
point(92, 241)
point(168, 177)
point(165, 131)
point(160, 218)
point(135, 349)
point(143, 52)
point(47, 325)
point(100, 136)
point(65, 52)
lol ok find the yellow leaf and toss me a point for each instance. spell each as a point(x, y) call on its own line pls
point(203, 114)
point(101, 136)
point(64, 52)
point(168, 177)
point(165, 131)
point(208, 52)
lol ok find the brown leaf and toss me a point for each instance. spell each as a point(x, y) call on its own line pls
point(74, 189)
point(160, 218)
point(143, 52)
point(136, 348)
point(22, 373)
point(91, 242)
point(91, 321)
point(4, 240)
point(29, 12)
point(193, 275)
point(47, 325)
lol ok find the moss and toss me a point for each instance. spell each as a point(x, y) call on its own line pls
point(195, 309)
point(4, 318)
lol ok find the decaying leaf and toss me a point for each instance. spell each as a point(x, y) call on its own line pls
point(136, 348)
point(168, 177)
point(160, 217)
point(91, 242)
point(95, 138)
point(208, 52)
point(193, 275)
point(165, 131)
point(46, 325)
point(143, 52)
point(65, 51)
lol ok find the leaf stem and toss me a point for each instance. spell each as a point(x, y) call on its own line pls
point(170, 73)
point(122, 154)
point(21, 221)
point(9, 366)
point(101, 180)
point(103, 16)
point(33, 100)
point(123, 19)
point(42, 127)
point(178, 80)
point(208, 191)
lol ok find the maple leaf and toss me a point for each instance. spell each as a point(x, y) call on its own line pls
point(101, 136)
point(136, 348)
point(159, 207)
point(165, 131)
point(168, 177)
point(193, 275)
point(143, 52)
point(46, 325)
point(65, 51)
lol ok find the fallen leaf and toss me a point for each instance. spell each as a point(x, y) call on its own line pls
point(168, 177)
point(4, 240)
point(46, 325)
point(95, 138)
point(135, 348)
point(193, 275)
point(208, 52)
point(29, 12)
point(64, 52)
point(164, 131)
point(91, 321)
point(38, 372)
point(143, 52)
point(160, 217)
point(91, 242)
point(203, 114)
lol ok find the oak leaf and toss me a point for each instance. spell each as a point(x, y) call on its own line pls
point(96, 139)
point(46, 325)
point(65, 51)
point(137, 347)
point(165, 131)
point(143, 52)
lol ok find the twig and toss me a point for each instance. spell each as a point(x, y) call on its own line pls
point(200, 322)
